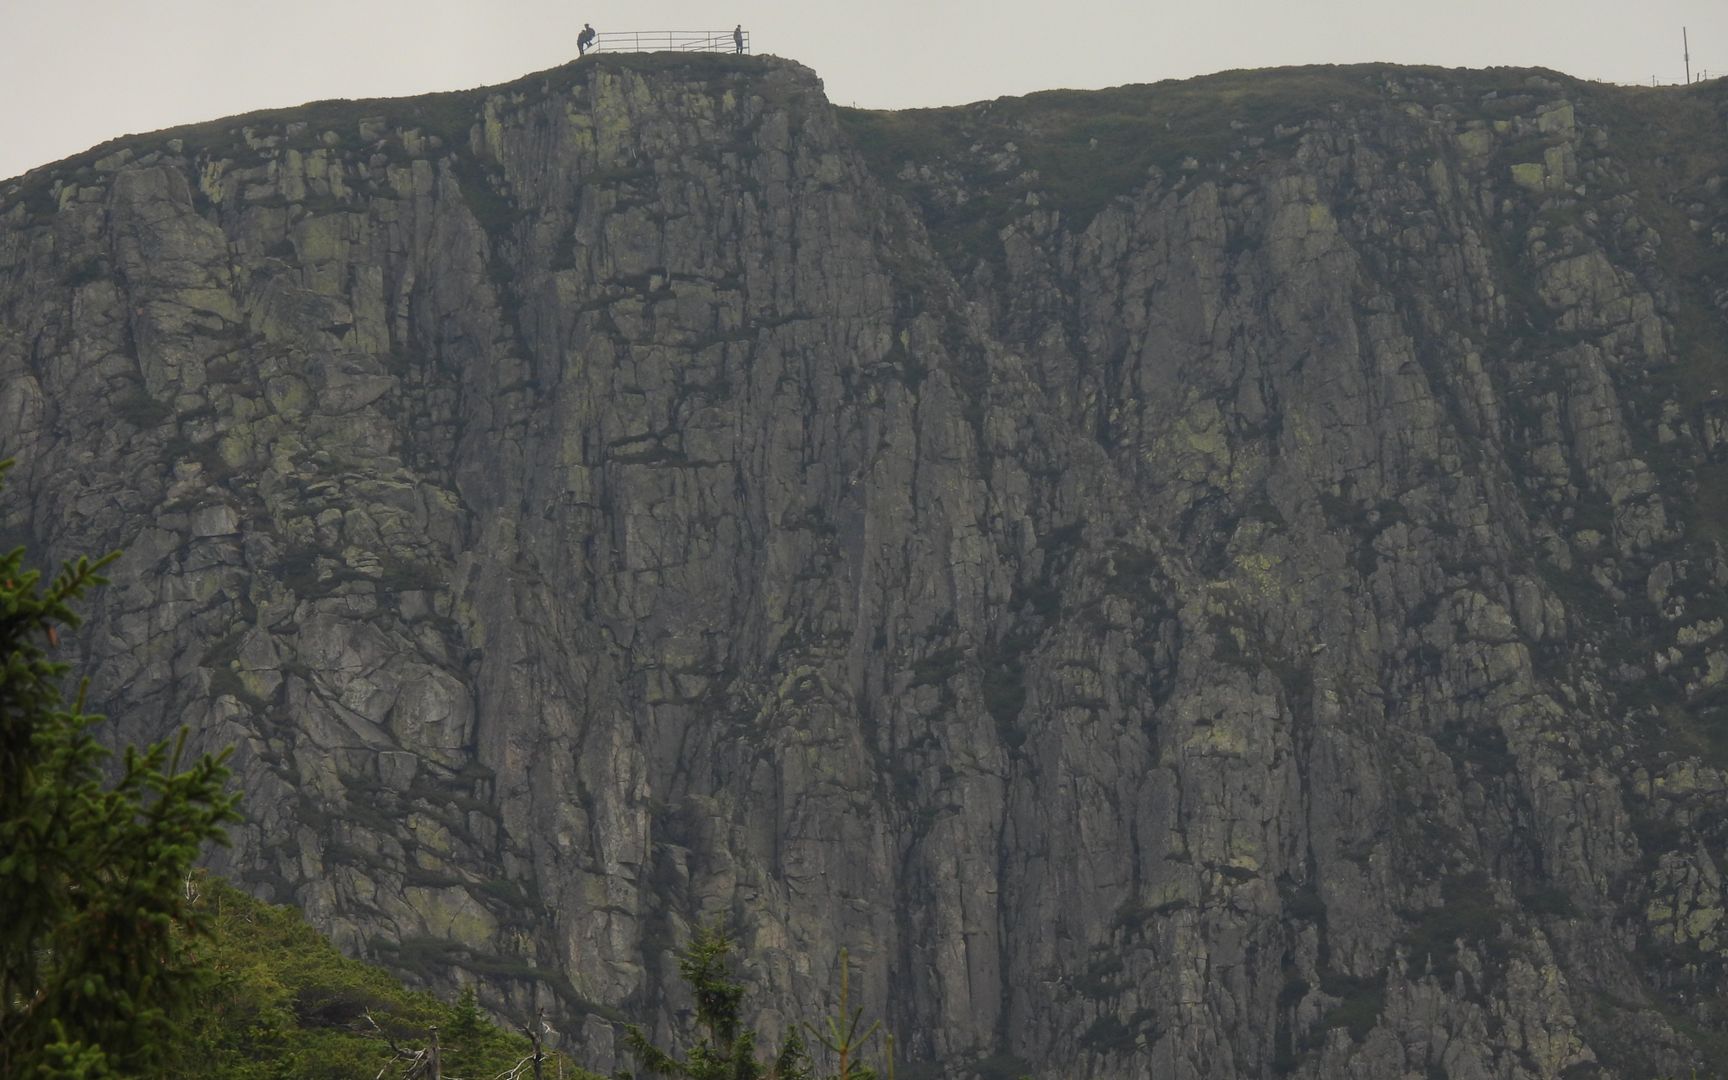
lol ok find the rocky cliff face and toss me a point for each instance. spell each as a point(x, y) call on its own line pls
point(1197, 581)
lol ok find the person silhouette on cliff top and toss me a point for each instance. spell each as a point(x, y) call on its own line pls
point(584, 39)
point(738, 36)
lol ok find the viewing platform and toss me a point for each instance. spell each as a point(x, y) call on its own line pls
point(667, 41)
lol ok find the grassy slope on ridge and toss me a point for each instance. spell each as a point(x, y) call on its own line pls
point(286, 1005)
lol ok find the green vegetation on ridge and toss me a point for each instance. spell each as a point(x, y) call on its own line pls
point(1088, 146)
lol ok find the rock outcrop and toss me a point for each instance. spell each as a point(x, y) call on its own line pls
point(1222, 579)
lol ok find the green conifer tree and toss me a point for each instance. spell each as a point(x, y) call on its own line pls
point(92, 969)
point(840, 1034)
point(727, 1050)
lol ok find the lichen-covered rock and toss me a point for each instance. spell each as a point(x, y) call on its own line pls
point(1207, 599)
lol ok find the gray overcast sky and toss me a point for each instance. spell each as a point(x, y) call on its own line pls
point(74, 73)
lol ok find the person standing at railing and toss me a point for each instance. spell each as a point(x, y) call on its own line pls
point(584, 39)
point(738, 36)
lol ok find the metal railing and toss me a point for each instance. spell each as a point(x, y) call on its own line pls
point(667, 41)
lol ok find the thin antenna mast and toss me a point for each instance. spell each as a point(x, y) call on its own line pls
point(1686, 47)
